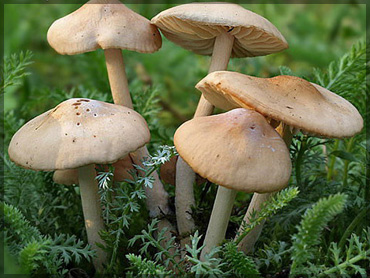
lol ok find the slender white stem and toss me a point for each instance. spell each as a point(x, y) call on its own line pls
point(220, 216)
point(220, 59)
point(92, 212)
point(247, 243)
point(117, 77)
point(185, 176)
point(184, 200)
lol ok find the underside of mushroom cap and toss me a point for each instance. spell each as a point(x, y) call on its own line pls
point(103, 24)
point(195, 26)
point(121, 168)
point(289, 99)
point(238, 150)
point(78, 132)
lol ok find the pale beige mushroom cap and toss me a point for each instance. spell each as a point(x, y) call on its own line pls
point(238, 150)
point(289, 99)
point(103, 24)
point(121, 168)
point(78, 132)
point(195, 27)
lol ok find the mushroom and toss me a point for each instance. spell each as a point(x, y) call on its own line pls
point(110, 25)
point(292, 101)
point(77, 134)
point(70, 176)
point(222, 30)
point(235, 150)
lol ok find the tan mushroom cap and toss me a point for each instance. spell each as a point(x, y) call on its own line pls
point(289, 99)
point(103, 24)
point(195, 27)
point(237, 150)
point(121, 168)
point(78, 132)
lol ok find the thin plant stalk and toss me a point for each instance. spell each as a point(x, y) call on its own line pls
point(92, 212)
point(247, 243)
point(346, 163)
point(329, 175)
point(185, 176)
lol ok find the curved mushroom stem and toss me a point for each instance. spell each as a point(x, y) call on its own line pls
point(157, 197)
point(117, 77)
point(220, 216)
point(185, 176)
point(92, 212)
point(184, 200)
point(247, 243)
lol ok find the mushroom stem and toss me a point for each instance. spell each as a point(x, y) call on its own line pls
point(117, 77)
point(220, 59)
point(247, 243)
point(220, 216)
point(184, 200)
point(157, 197)
point(92, 212)
point(185, 176)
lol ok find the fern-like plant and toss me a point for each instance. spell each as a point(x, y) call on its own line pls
point(307, 238)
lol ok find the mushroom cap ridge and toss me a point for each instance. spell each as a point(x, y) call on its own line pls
point(195, 26)
point(238, 150)
point(78, 132)
point(289, 99)
point(103, 24)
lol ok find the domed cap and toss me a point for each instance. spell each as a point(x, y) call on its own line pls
point(78, 132)
point(237, 149)
point(121, 167)
point(292, 100)
point(195, 27)
point(103, 24)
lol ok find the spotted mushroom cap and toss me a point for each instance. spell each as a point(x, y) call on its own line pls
point(121, 168)
point(238, 150)
point(78, 132)
point(289, 99)
point(103, 24)
point(195, 27)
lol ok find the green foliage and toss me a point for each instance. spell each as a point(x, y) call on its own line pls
point(152, 238)
point(274, 255)
point(347, 76)
point(36, 253)
point(280, 200)
point(239, 264)
point(15, 69)
point(210, 266)
point(352, 260)
point(140, 266)
point(309, 230)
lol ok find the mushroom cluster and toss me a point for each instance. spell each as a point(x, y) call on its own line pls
point(222, 30)
point(245, 149)
point(210, 146)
